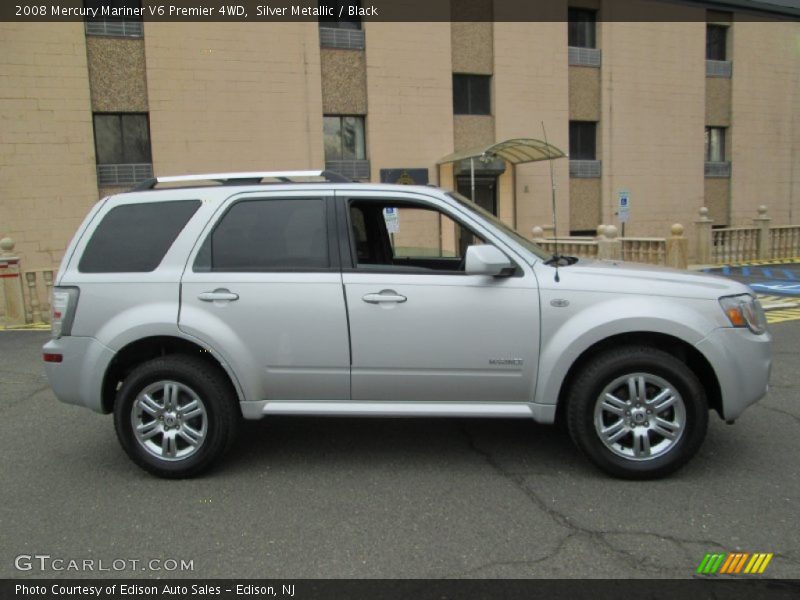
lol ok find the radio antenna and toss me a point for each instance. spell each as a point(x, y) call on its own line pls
point(556, 256)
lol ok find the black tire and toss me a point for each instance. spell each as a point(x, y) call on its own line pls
point(189, 379)
point(652, 452)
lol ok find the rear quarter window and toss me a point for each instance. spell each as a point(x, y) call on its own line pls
point(134, 238)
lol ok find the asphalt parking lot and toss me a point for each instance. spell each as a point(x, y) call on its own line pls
point(391, 498)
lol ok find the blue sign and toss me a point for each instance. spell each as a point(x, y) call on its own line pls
point(783, 288)
point(405, 176)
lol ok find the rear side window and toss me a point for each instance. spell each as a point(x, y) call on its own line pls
point(135, 237)
point(268, 235)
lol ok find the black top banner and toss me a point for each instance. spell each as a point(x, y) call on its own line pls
point(350, 13)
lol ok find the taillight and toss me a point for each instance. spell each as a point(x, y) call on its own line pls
point(64, 301)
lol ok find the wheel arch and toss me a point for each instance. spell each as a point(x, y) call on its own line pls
point(144, 349)
point(675, 346)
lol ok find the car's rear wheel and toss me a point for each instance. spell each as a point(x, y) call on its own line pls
point(175, 416)
point(637, 412)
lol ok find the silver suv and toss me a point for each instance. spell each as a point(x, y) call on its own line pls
point(183, 307)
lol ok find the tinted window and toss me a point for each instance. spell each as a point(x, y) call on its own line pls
point(472, 94)
point(134, 238)
point(268, 235)
point(716, 41)
point(343, 8)
point(344, 138)
point(121, 138)
point(582, 140)
point(581, 29)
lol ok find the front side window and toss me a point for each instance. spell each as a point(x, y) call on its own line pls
point(582, 140)
point(268, 235)
point(581, 31)
point(408, 237)
point(472, 94)
point(716, 42)
point(715, 144)
point(134, 238)
point(121, 138)
point(344, 138)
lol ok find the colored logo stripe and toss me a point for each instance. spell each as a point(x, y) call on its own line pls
point(734, 563)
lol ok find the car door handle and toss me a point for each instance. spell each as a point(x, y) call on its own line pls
point(217, 295)
point(384, 296)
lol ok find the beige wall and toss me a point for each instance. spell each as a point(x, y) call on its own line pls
point(117, 74)
point(531, 86)
point(472, 48)
point(717, 199)
point(718, 101)
point(344, 81)
point(584, 94)
point(234, 96)
point(584, 208)
point(766, 100)
point(47, 165)
point(653, 114)
point(409, 83)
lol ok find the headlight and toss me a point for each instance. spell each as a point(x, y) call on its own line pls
point(744, 311)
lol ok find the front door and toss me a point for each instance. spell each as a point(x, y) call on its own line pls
point(420, 328)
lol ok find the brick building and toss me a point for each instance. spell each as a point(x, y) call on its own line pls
point(680, 104)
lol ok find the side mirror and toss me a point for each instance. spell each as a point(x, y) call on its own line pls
point(485, 259)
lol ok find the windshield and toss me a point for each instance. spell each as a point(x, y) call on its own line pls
point(521, 240)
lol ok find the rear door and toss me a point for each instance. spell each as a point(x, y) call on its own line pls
point(264, 289)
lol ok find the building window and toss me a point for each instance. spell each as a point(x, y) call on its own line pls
point(341, 33)
point(716, 42)
point(582, 140)
point(121, 138)
point(347, 21)
point(122, 147)
point(127, 24)
point(344, 138)
point(471, 94)
point(715, 144)
point(582, 27)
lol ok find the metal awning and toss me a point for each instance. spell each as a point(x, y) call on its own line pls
point(516, 151)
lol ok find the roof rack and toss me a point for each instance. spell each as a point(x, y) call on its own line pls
point(246, 178)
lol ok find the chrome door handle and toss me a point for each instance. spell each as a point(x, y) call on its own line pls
point(217, 295)
point(384, 296)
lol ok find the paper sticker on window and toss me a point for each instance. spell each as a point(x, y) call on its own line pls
point(392, 219)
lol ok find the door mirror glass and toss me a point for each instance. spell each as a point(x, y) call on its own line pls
point(486, 260)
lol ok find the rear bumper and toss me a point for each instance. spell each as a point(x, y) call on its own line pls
point(742, 362)
point(78, 379)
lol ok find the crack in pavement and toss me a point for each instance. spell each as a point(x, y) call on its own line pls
point(511, 563)
point(779, 411)
point(9, 405)
point(594, 535)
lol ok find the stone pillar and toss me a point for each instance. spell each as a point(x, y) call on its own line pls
point(677, 248)
point(762, 222)
point(538, 233)
point(703, 238)
point(12, 285)
point(609, 246)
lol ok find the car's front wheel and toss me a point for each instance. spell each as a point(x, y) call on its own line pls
point(637, 412)
point(175, 416)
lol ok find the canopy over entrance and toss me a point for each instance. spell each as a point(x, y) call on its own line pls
point(516, 151)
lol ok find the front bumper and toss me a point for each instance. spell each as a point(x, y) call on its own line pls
point(78, 379)
point(742, 362)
